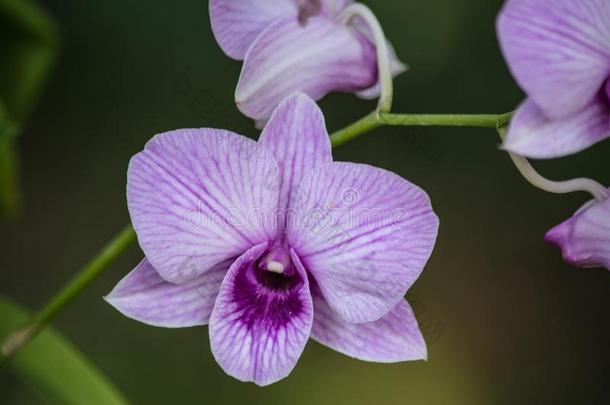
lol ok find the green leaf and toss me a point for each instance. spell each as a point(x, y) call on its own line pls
point(28, 40)
point(53, 367)
point(9, 197)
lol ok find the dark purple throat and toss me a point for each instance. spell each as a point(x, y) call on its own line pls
point(268, 291)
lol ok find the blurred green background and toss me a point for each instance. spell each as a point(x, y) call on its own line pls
point(506, 320)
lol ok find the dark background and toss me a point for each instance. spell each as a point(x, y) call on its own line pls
point(506, 320)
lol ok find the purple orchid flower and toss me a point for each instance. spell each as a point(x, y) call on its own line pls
point(585, 238)
point(272, 243)
point(559, 53)
point(295, 45)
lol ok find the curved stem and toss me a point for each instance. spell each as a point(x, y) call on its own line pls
point(383, 53)
point(365, 124)
point(526, 169)
point(452, 120)
point(82, 280)
point(375, 120)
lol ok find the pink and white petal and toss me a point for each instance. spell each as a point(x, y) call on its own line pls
point(145, 296)
point(365, 235)
point(393, 338)
point(296, 136)
point(329, 8)
point(533, 135)
point(558, 50)
point(257, 332)
point(317, 58)
point(308, 9)
point(333, 8)
point(396, 68)
point(237, 23)
point(198, 197)
point(584, 239)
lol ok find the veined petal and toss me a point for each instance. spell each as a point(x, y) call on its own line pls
point(330, 8)
point(317, 58)
point(200, 196)
point(237, 23)
point(364, 234)
point(297, 137)
point(585, 238)
point(259, 328)
point(308, 9)
point(533, 135)
point(396, 68)
point(146, 297)
point(334, 7)
point(558, 50)
point(393, 338)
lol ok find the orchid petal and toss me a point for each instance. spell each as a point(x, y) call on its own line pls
point(198, 197)
point(334, 7)
point(308, 9)
point(146, 297)
point(393, 338)
point(558, 50)
point(364, 234)
point(533, 135)
point(237, 23)
point(396, 69)
point(258, 332)
point(331, 8)
point(297, 137)
point(396, 66)
point(317, 58)
point(585, 238)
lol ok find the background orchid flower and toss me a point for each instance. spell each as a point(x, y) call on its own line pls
point(272, 243)
point(585, 238)
point(559, 53)
point(295, 45)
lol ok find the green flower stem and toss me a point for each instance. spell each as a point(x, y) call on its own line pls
point(375, 120)
point(127, 236)
point(68, 294)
